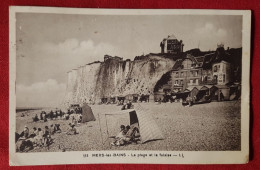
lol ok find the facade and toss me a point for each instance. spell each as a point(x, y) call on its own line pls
point(106, 57)
point(193, 72)
point(221, 72)
point(171, 45)
point(186, 73)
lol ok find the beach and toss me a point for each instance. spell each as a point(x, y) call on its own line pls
point(215, 126)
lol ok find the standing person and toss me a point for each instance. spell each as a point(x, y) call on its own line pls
point(44, 117)
point(41, 116)
point(160, 101)
point(55, 114)
point(40, 137)
point(51, 114)
point(46, 136)
point(221, 95)
point(26, 132)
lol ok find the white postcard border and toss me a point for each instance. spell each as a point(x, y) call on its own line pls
point(77, 157)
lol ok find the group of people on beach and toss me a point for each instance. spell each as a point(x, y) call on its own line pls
point(38, 137)
point(58, 114)
point(127, 105)
point(127, 134)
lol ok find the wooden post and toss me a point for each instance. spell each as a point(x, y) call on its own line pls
point(100, 130)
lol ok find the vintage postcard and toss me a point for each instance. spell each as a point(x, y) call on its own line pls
point(129, 86)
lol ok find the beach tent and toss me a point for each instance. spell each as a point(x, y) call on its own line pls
point(87, 114)
point(141, 117)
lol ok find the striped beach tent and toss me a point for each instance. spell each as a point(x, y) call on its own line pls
point(148, 128)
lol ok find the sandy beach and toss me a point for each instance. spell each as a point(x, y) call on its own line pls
point(205, 127)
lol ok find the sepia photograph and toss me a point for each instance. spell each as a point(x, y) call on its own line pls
point(116, 81)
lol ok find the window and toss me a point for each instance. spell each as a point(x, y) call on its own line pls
point(191, 73)
point(215, 68)
point(181, 82)
point(177, 74)
point(194, 81)
point(182, 74)
point(187, 64)
point(176, 82)
point(195, 73)
point(224, 78)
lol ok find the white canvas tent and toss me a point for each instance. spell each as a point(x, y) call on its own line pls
point(148, 128)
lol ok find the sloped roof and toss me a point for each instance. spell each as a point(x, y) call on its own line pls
point(177, 64)
point(190, 88)
point(200, 59)
point(171, 37)
point(208, 59)
point(221, 86)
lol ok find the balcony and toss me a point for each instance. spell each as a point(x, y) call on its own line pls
point(209, 82)
point(177, 85)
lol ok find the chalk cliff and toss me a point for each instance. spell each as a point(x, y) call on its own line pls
point(115, 77)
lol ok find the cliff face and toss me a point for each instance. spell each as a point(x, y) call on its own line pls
point(115, 78)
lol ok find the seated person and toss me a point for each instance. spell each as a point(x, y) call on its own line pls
point(52, 130)
point(72, 131)
point(124, 107)
point(17, 136)
point(131, 134)
point(129, 105)
point(57, 128)
point(26, 132)
point(35, 133)
point(24, 145)
point(119, 136)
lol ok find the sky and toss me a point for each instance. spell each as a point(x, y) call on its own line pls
point(50, 45)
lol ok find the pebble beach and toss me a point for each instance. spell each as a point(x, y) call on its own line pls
point(215, 126)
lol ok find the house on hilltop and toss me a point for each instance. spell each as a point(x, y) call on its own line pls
point(171, 45)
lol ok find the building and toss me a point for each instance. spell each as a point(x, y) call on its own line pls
point(185, 73)
point(107, 57)
point(221, 72)
point(171, 45)
point(194, 71)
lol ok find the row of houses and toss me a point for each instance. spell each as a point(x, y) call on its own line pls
point(198, 93)
point(194, 74)
point(129, 97)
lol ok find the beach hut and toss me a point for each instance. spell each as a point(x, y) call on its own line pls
point(203, 91)
point(235, 92)
point(216, 91)
point(104, 100)
point(129, 97)
point(135, 97)
point(193, 91)
point(141, 118)
point(87, 114)
point(158, 96)
point(119, 98)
